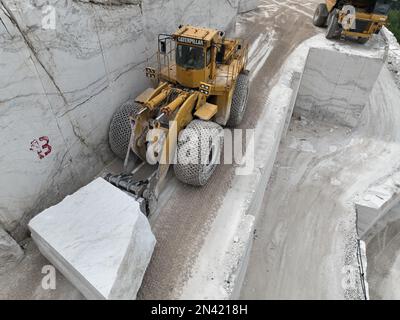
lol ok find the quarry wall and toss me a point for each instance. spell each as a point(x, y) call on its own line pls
point(378, 207)
point(381, 115)
point(65, 67)
point(335, 86)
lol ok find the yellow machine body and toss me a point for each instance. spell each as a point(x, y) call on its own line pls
point(374, 23)
point(196, 77)
point(371, 22)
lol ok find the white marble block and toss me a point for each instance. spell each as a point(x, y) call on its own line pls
point(335, 86)
point(99, 239)
point(374, 206)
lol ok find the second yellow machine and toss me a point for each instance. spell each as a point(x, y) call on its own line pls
point(358, 19)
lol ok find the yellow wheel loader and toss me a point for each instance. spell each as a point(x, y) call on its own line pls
point(358, 19)
point(201, 85)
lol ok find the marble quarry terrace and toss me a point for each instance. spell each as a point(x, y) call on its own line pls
point(310, 210)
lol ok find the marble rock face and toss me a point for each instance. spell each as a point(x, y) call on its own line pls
point(374, 205)
point(335, 86)
point(65, 67)
point(248, 5)
point(99, 239)
point(10, 252)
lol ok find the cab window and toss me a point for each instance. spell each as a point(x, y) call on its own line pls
point(189, 57)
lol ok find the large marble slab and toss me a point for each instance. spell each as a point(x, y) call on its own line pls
point(99, 239)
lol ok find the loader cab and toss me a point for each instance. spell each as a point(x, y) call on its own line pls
point(195, 55)
point(358, 19)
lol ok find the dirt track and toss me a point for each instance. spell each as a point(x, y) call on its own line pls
point(275, 29)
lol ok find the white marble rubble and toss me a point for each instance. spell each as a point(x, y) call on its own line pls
point(376, 202)
point(98, 239)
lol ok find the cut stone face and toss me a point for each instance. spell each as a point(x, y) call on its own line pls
point(10, 252)
point(335, 86)
point(99, 239)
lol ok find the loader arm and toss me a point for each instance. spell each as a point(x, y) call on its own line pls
point(182, 118)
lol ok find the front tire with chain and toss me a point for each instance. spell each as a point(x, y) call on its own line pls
point(239, 100)
point(198, 152)
point(120, 128)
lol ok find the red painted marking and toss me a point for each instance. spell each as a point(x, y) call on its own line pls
point(41, 146)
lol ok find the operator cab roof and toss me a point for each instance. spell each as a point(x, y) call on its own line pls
point(207, 35)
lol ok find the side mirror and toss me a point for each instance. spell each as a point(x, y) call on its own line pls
point(163, 47)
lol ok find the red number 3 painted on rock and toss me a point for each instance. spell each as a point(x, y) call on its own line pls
point(41, 146)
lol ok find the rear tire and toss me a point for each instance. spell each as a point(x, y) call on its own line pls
point(239, 100)
point(334, 29)
point(120, 128)
point(198, 152)
point(321, 15)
